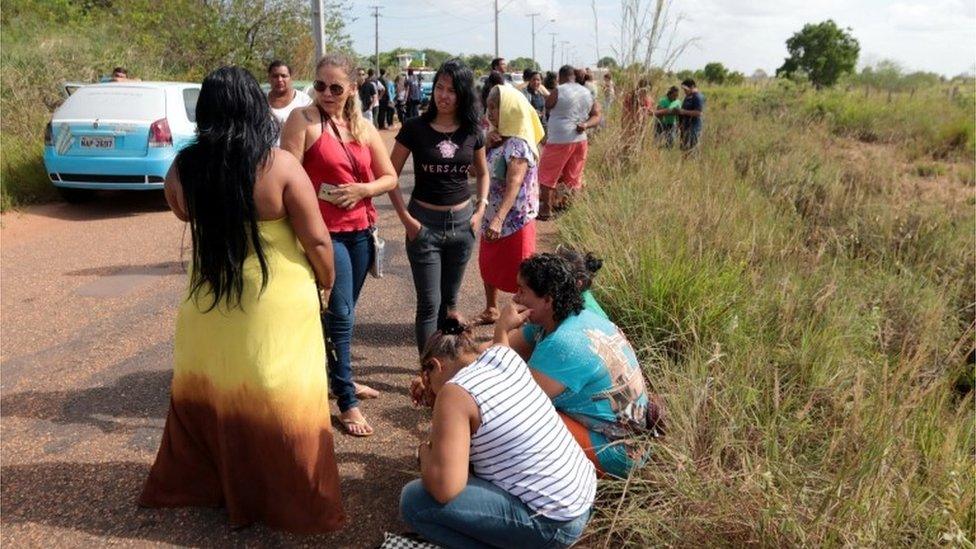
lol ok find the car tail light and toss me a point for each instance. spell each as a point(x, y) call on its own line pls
point(48, 136)
point(159, 134)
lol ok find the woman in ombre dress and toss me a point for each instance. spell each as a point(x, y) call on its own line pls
point(248, 426)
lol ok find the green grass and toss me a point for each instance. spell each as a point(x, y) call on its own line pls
point(806, 316)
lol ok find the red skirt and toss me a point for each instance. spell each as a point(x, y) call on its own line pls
point(500, 259)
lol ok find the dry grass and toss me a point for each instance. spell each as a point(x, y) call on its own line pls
point(806, 314)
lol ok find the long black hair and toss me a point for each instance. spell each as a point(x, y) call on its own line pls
point(467, 103)
point(549, 275)
point(235, 133)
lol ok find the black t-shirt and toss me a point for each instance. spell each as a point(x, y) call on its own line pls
point(440, 161)
point(367, 90)
point(692, 102)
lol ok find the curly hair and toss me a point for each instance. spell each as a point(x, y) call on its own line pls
point(549, 275)
point(585, 266)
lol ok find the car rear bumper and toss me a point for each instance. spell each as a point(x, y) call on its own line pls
point(105, 172)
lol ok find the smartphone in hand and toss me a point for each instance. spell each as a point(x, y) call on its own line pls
point(326, 193)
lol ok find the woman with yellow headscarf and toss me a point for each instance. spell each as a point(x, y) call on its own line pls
point(508, 227)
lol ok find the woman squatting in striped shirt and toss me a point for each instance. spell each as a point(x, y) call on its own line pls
point(532, 485)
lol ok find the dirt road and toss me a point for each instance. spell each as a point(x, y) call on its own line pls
point(89, 298)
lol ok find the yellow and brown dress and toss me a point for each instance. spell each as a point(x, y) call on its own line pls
point(248, 426)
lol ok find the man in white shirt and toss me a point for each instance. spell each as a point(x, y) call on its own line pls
point(282, 97)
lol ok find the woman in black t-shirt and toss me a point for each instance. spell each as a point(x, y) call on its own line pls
point(441, 221)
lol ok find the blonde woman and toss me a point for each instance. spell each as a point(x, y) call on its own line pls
point(348, 164)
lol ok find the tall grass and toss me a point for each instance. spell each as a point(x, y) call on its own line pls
point(806, 316)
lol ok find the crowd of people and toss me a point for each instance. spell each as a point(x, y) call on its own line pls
point(278, 192)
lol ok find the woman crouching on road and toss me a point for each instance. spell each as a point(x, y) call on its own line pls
point(508, 228)
point(531, 486)
point(347, 162)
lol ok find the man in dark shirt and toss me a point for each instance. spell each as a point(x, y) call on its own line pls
point(386, 102)
point(413, 94)
point(367, 91)
point(690, 115)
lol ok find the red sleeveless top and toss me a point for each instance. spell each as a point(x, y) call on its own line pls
point(326, 162)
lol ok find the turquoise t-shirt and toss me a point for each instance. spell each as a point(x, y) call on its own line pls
point(591, 304)
point(605, 388)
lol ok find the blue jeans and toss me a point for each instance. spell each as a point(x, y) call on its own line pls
point(690, 136)
point(353, 252)
point(484, 515)
point(438, 255)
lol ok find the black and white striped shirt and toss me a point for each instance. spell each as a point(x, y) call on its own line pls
point(521, 445)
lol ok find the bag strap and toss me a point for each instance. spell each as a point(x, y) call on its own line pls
point(353, 163)
point(357, 170)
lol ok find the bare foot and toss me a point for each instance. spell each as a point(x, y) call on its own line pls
point(355, 423)
point(365, 392)
point(488, 316)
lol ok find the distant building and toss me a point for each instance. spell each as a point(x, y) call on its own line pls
point(406, 59)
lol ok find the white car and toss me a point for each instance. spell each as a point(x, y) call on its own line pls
point(119, 135)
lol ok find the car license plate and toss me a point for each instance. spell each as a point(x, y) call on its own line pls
point(89, 142)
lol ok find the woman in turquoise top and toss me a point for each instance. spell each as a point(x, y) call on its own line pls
point(582, 361)
point(585, 268)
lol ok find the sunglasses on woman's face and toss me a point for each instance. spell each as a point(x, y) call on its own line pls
point(334, 89)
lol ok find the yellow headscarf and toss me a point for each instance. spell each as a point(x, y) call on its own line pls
point(517, 118)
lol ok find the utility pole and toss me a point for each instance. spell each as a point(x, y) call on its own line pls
point(552, 59)
point(496, 28)
point(596, 31)
point(376, 39)
point(318, 27)
point(533, 16)
point(562, 51)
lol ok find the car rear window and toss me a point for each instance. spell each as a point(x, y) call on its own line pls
point(115, 103)
point(190, 96)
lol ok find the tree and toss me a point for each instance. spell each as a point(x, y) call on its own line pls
point(823, 52)
point(648, 35)
point(435, 58)
point(607, 62)
point(479, 62)
point(735, 78)
point(715, 73)
point(519, 64)
point(759, 74)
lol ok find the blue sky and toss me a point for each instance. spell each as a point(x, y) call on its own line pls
point(745, 35)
